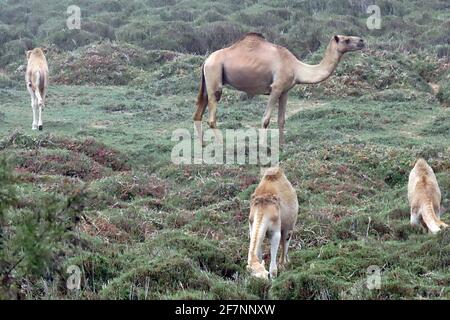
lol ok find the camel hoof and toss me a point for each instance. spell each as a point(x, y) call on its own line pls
point(40, 128)
point(273, 274)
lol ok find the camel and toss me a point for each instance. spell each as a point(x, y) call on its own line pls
point(36, 78)
point(424, 198)
point(273, 210)
point(258, 67)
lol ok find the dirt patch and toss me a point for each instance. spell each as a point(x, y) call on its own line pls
point(434, 87)
point(98, 152)
point(102, 227)
point(91, 148)
point(69, 164)
point(147, 186)
point(101, 124)
point(295, 107)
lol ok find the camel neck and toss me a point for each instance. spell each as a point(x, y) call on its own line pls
point(306, 73)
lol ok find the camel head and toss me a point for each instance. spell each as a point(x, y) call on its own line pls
point(345, 44)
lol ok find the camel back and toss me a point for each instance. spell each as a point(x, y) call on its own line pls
point(251, 36)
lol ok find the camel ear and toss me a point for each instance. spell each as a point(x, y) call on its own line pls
point(336, 38)
point(44, 50)
point(28, 53)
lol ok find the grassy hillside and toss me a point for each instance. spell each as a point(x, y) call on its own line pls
point(97, 189)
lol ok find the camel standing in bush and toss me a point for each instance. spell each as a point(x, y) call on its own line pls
point(273, 210)
point(425, 198)
point(256, 66)
point(36, 78)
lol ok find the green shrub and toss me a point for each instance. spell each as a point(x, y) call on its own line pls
point(156, 279)
point(444, 91)
point(71, 39)
point(6, 82)
point(102, 30)
point(306, 286)
point(443, 51)
point(37, 233)
point(208, 256)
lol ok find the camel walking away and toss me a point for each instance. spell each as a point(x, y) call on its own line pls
point(424, 198)
point(36, 78)
point(273, 210)
point(258, 67)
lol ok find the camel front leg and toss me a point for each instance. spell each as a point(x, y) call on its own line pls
point(273, 100)
point(282, 116)
point(274, 244)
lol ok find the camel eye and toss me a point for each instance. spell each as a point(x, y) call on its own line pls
point(347, 41)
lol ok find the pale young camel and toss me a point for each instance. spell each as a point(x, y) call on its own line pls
point(36, 78)
point(273, 210)
point(424, 198)
point(256, 66)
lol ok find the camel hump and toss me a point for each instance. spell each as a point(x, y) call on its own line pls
point(254, 34)
point(423, 168)
point(250, 38)
point(421, 163)
point(273, 174)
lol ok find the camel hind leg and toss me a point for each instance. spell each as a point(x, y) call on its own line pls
point(213, 81)
point(198, 115)
point(34, 108)
point(41, 107)
point(285, 239)
point(274, 244)
point(213, 73)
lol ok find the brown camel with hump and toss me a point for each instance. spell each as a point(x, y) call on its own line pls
point(256, 66)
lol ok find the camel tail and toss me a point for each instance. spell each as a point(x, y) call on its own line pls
point(38, 83)
point(202, 98)
point(429, 218)
point(260, 203)
point(259, 228)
